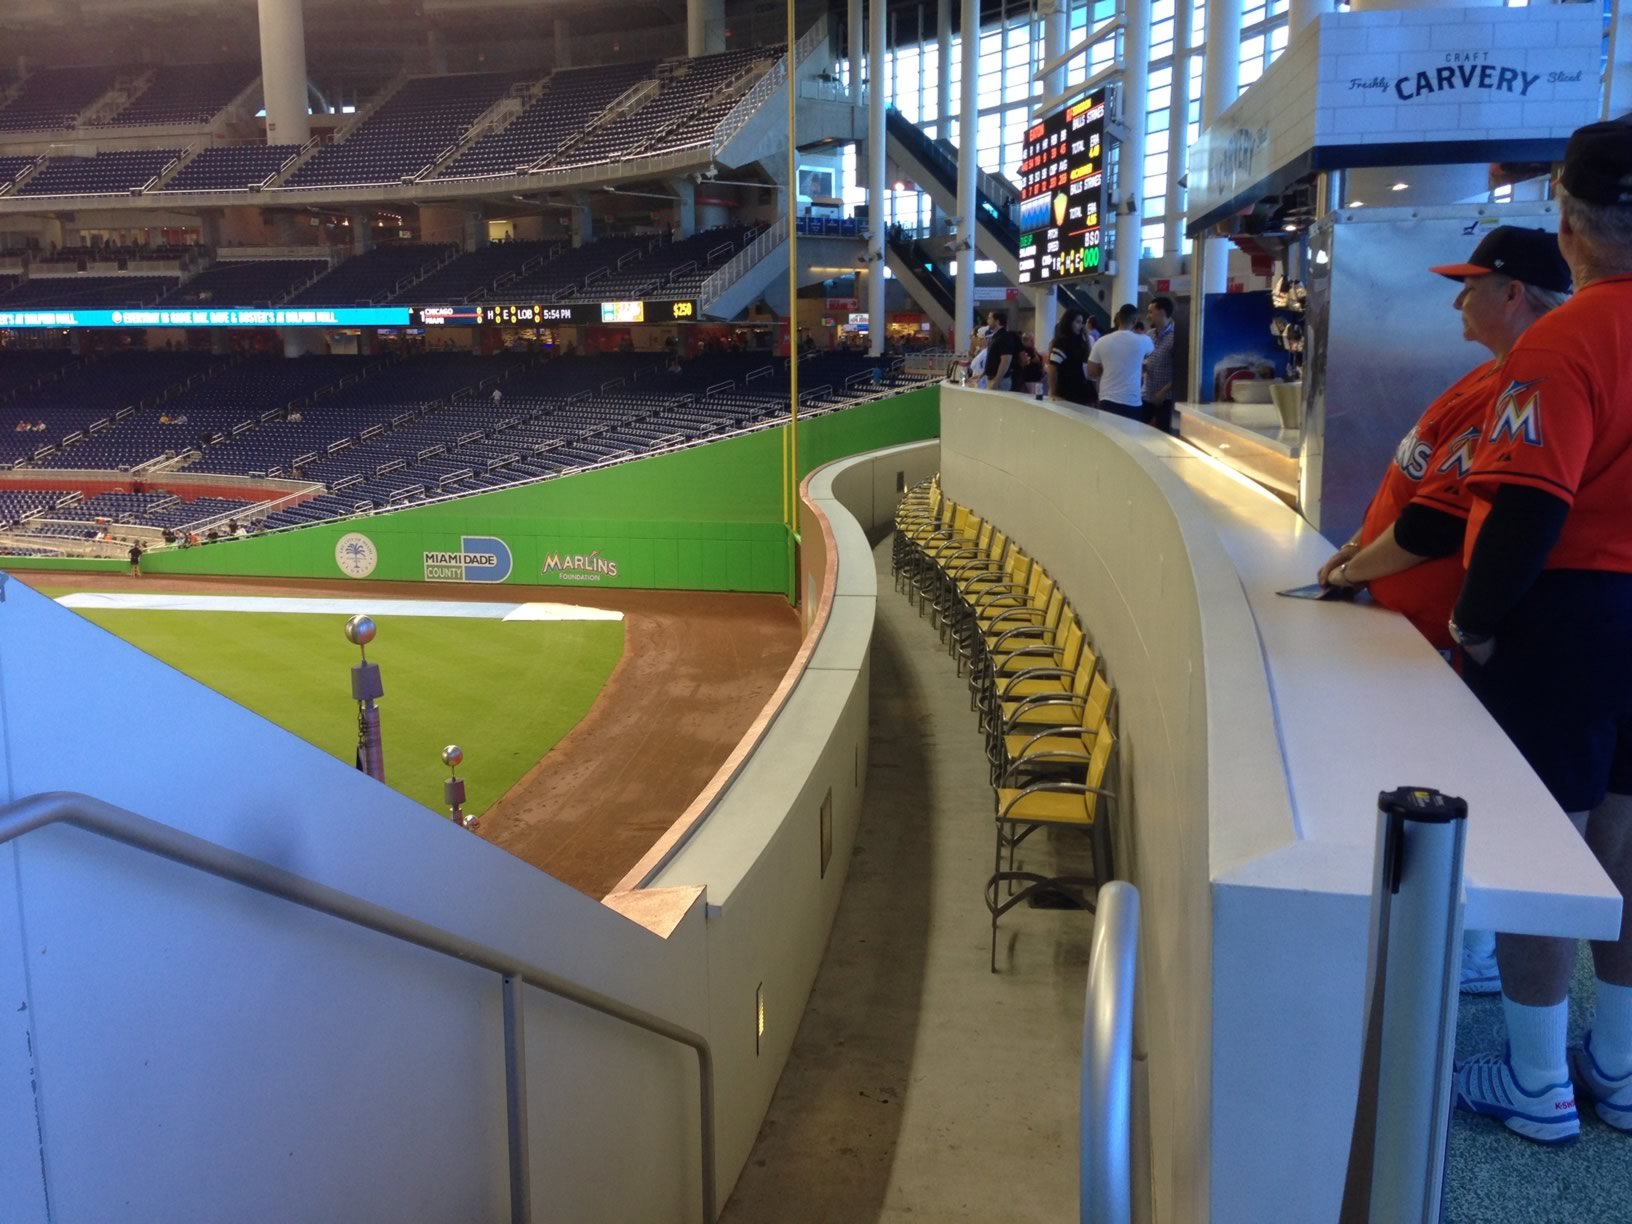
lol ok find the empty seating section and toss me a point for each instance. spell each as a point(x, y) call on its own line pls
point(248, 282)
point(17, 504)
point(55, 97)
point(12, 165)
point(92, 392)
point(682, 267)
point(382, 431)
point(234, 398)
point(20, 369)
point(474, 275)
point(103, 174)
point(712, 84)
point(407, 133)
point(571, 99)
point(87, 292)
point(374, 276)
point(1046, 705)
point(233, 168)
point(621, 137)
point(184, 95)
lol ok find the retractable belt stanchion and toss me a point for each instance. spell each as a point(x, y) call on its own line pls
point(1397, 1157)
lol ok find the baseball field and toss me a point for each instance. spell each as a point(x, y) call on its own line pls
point(505, 689)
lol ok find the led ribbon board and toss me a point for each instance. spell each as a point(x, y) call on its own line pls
point(540, 315)
point(1062, 179)
point(239, 316)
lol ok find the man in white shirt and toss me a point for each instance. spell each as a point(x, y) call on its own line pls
point(1117, 360)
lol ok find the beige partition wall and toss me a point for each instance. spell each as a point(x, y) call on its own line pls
point(1252, 752)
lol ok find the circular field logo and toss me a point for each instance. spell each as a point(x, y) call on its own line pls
point(356, 555)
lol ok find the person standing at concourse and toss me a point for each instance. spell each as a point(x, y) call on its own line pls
point(1408, 550)
point(1068, 362)
point(1117, 361)
point(1544, 621)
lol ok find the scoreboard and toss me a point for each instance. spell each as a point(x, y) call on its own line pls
point(539, 315)
point(1062, 180)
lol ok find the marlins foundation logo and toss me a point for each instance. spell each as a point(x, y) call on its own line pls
point(479, 559)
point(579, 568)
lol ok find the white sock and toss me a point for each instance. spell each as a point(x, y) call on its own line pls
point(1480, 945)
point(1536, 1038)
point(1612, 1029)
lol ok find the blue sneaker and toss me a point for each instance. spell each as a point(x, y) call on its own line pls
point(1611, 1098)
point(1480, 976)
point(1485, 1084)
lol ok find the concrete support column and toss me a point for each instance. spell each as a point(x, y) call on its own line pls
point(856, 36)
point(1056, 19)
point(878, 186)
point(362, 230)
point(1130, 187)
point(943, 88)
point(285, 231)
point(563, 43)
point(1178, 143)
point(436, 51)
point(1220, 82)
point(297, 341)
point(583, 219)
point(705, 27)
point(475, 229)
point(964, 282)
point(209, 227)
point(685, 207)
point(283, 71)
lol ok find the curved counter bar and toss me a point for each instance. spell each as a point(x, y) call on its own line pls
point(1256, 733)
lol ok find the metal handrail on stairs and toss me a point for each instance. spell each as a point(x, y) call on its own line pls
point(94, 816)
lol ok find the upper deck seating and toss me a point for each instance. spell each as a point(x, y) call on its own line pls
point(570, 100)
point(54, 98)
point(103, 174)
point(407, 133)
point(87, 292)
point(247, 282)
point(373, 276)
point(184, 95)
point(231, 168)
point(472, 276)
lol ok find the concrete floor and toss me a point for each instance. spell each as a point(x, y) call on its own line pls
point(921, 1085)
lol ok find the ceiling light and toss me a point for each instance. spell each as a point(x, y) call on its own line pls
point(1399, 186)
point(1290, 227)
point(1357, 203)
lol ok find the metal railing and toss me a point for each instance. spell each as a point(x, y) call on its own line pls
point(1106, 1191)
point(732, 271)
point(140, 833)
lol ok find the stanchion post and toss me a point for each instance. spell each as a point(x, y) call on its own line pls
point(1396, 1168)
point(366, 689)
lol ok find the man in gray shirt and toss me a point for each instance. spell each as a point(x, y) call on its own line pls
point(1158, 396)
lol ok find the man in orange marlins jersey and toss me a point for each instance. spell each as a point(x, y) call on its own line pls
point(1545, 624)
point(1408, 550)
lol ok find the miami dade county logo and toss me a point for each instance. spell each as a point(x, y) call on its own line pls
point(356, 555)
point(579, 568)
point(479, 559)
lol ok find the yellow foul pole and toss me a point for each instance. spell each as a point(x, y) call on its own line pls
point(790, 447)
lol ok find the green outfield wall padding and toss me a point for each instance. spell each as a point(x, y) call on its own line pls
point(704, 519)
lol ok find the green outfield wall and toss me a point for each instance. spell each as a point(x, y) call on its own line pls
point(705, 519)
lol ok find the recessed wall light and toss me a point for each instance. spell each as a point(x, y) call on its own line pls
point(1357, 203)
point(1399, 186)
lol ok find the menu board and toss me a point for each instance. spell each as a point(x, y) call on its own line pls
point(1062, 180)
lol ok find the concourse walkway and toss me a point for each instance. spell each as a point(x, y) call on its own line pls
point(922, 1086)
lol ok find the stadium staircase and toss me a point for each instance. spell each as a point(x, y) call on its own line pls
point(364, 114)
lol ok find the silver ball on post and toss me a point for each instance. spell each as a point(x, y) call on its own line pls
point(453, 790)
point(366, 689)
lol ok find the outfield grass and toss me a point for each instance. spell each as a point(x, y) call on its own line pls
point(505, 691)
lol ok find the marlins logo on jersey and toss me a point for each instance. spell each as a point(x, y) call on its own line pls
point(1518, 413)
point(1459, 455)
point(1412, 455)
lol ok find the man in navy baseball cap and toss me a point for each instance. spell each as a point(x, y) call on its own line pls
point(1528, 255)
